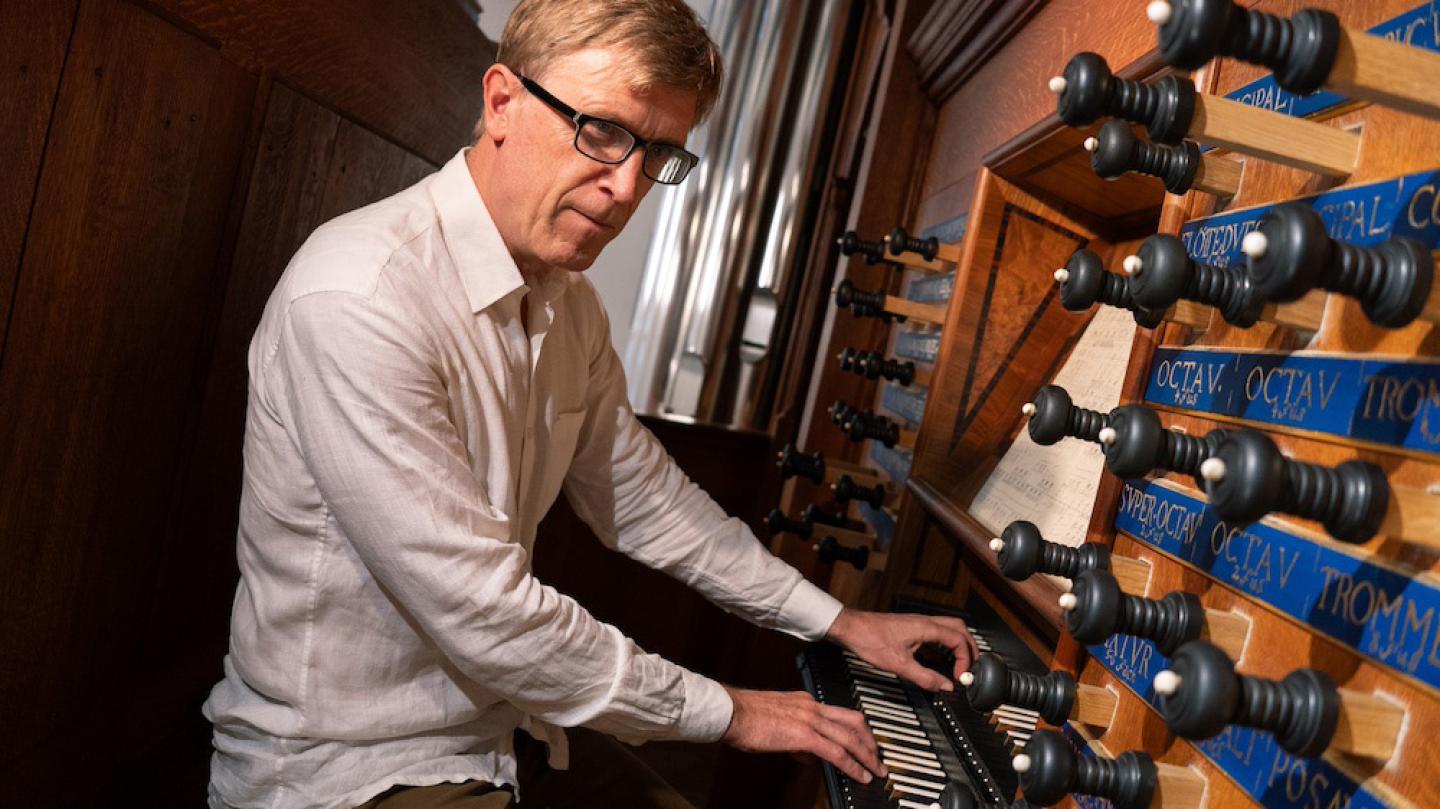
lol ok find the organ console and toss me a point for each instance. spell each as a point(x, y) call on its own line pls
point(1266, 409)
point(1085, 282)
point(848, 296)
point(1050, 769)
point(874, 365)
point(1095, 608)
point(1201, 694)
point(1289, 254)
point(1115, 151)
point(1308, 51)
point(1022, 552)
point(1162, 273)
point(1247, 477)
point(1055, 697)
point(900, 242)
point(1171, 110)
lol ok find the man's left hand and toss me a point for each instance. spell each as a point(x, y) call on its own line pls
point(888, 640)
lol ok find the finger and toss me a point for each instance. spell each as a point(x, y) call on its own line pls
point(838, 756)
point(951, 633)
point(966, 658)
point(855, 744)
point(923, 677)
point(852, 723)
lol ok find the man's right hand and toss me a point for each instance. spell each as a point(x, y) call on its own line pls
point(793, 722)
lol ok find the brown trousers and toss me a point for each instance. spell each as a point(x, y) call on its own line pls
point(602, 775)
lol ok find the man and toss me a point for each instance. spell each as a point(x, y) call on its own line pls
point(427, 375)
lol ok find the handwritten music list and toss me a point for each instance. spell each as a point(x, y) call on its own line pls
point(1054, 486)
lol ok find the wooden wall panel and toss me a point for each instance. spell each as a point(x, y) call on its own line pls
point(426, 97)
point(32, 50)
point(311, 166)
point(1010, 92)
point(96, 382)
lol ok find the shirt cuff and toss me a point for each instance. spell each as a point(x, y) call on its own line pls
point(706, 715)
point(808, 612)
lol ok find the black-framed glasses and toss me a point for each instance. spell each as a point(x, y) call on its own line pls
point(610, 143)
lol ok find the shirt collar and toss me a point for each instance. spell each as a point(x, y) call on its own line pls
point(487, 270)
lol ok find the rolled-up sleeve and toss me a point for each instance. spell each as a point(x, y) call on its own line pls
point(634, 496)
point(364, 399)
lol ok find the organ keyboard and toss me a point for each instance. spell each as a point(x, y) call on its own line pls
point(928, 741)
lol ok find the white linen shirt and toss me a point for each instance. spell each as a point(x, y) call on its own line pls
point(405, 433)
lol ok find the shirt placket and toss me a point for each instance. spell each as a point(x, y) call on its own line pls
point(540, 314)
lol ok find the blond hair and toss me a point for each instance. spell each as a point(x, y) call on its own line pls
point(663, 42)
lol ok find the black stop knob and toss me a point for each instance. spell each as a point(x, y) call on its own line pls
point(849, 359)
point(1301, 50)
point(1117, 151)
point(1162, 273)
point(846, 489)
point(864, 425)
point(842, 412)
point(777, 523)
point(956, 795)
point(1136, 444)
point(1089, 91)
point(1022, 552)
point(813, 514)
point(1053, 417)
point(1246, 478)
point(901, 242)
point(1201, 694)
point(851, 243)
point(1084, 281)
point(900, 372)
point(1050, 770)
point(830, 551)
point(795, 463)
point(1290, 253)
point(849, 295)
point(991, 683)
point(1097, 609)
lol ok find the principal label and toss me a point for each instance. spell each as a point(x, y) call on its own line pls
point(1418, 28)
point(1362, 215)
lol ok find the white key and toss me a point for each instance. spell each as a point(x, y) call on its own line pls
point(904, 766)
point(918, 783)
point(879, 728)
point(920, 791)
point(919, 751)
point(900, 756)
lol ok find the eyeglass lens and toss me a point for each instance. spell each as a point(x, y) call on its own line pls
point(603, 141)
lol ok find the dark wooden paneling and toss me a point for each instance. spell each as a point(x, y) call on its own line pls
point(311, 166)
point(426, 97)
point(32, 49)
point(96, 387)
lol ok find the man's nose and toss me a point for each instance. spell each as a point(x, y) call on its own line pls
point(624, 181)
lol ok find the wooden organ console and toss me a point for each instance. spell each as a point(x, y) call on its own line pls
point(1132, 360)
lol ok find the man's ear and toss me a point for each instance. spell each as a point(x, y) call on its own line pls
point(501, 88)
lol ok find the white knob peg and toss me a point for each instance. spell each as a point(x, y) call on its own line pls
point(997, 544)
point(1166, 683)
point(1028, 408)
point(1057, 84)
point(1107, 435)
point(1132, 264)
point(1091, 144)
point(1212, 469)
point(1062, 275)
point(1068, 601)
point(1159, 12)
point(967, 679)
point(1254, 244)
point(1021, 763)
